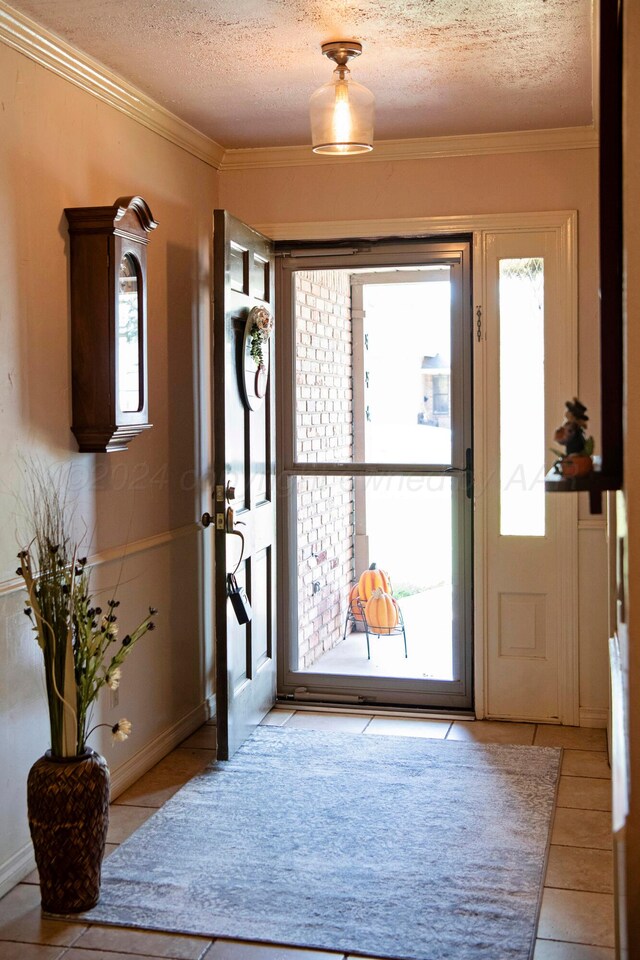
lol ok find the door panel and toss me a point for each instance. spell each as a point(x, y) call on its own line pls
point(244, 461)
point(531, 536)
point(376, 471)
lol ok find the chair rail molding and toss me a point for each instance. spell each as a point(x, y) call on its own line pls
point(111, 554)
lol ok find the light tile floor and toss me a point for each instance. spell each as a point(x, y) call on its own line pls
point(576, 920)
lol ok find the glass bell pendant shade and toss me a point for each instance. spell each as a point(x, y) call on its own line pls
point(341, 114)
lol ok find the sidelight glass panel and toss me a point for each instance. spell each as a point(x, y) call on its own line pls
point(522, 419)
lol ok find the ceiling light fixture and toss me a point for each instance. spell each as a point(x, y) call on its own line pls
point(341, 110)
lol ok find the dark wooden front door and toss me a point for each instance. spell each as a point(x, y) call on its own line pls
point(244, 482)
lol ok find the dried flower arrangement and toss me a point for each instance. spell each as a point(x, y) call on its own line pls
point(261, 328)
point(79, 641)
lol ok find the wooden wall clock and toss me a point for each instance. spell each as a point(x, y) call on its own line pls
point(108, 269)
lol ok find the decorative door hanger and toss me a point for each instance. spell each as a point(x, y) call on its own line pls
point(256, 349)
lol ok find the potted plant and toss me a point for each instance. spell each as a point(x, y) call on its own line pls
point(68, 788)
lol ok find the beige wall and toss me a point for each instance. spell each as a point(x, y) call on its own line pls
point(506, 183)
point(61, 147)
point(547, 180)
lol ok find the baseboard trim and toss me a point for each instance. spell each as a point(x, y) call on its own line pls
point(593, 718)
point(142, 761)
point(16, 868)
point(211, 707)
point(22, 862)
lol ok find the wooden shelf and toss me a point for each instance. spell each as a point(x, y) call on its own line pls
point(611, 442)
point(593, 483)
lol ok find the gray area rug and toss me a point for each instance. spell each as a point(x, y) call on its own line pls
point(384, 846)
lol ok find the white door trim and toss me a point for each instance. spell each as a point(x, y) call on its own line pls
point(570, 662)
point(565, 531)
point(564, 223)
point(417, 226)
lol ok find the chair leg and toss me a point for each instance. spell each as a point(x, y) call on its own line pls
point(368, 647)
point(404, 634)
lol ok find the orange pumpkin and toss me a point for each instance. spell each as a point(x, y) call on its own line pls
point(576, 465)
point(356, 611)
point(373, 579)
point(381, 611)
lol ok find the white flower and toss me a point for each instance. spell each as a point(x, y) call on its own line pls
point(262, 322)
point(121, 730)
point(113, 678)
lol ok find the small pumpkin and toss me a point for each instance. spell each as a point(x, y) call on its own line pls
point(381, 611)
point(576, 465)
point(356, 609)
point(373, 579)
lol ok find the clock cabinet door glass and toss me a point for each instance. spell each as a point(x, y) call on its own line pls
point(129, 336)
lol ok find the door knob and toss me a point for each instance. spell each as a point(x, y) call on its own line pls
point(206, 520)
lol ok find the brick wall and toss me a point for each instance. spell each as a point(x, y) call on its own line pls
point(324, 421)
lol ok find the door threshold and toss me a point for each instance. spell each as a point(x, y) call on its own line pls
point(415, 713)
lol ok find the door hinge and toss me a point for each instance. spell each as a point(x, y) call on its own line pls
point(478, 323)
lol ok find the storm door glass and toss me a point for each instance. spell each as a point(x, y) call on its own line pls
point(377, 474)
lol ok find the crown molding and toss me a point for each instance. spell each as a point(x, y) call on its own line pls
point(53, 53)
point(36, 42)
point(425, 148)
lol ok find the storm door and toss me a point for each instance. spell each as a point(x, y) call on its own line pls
point(375, 471)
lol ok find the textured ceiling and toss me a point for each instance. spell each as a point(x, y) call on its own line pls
point(242, 71)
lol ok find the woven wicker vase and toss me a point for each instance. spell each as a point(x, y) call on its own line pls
point(68, 803)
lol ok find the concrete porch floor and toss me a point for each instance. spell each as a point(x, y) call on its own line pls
point(427, 620)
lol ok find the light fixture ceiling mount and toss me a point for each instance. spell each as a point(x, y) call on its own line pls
point(341, 51)
point(341, 110)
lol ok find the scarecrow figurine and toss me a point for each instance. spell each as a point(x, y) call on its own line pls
point(576, 460)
